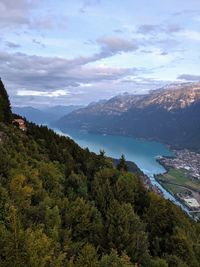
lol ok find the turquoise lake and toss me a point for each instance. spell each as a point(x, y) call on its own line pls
point(142, 152)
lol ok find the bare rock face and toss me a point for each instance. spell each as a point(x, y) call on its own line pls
point(175, 96)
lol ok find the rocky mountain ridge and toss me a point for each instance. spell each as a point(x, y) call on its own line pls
point(170, 114)
point(170, 97)
point(175, 96)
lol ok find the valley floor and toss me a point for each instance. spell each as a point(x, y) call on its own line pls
point(182, 178)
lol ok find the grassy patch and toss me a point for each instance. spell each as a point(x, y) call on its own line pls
point(179, 177)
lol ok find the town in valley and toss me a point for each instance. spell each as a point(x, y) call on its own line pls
point(182, 178)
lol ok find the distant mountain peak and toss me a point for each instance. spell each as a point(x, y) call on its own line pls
point(174, 96)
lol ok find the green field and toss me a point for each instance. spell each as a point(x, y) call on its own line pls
point(175, 177)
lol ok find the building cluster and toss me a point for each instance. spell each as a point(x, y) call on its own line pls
point(184, 159)
point(191, 202)
point(20, 123)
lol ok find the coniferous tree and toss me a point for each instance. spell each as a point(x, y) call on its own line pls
point(5, 109)
point(122, 166)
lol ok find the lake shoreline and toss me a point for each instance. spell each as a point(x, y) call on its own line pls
point(178, 200)
point(143, 153)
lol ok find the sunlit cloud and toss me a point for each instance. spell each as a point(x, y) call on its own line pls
point(56, 93)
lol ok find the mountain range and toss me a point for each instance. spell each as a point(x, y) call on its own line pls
point(170, 114)
point(45, 115)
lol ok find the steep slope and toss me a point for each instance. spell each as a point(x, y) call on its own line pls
point(170, 114)
point(56, 196)
point(62, 205)
point(5, 109)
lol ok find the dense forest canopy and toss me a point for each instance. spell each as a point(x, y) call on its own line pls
point(5, 109)
point(61, 205)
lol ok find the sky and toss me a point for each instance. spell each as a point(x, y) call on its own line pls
point(68, 52)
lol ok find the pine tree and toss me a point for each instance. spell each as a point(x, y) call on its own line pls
point(122, 166)
point(5, 109)
point(87, 257)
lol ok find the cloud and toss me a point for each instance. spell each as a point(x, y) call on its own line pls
point(115, 45)
point(173, 28)
point(15, 12)
point(56, 93)
point(38, 69)
point(118, 31)
point(148, 28)
point(162, 36)
point(88, 3)
point(164, 53)
point(187, 12)
point(99, 74)
point(159, 28)
point(29, 14)
point(189, 77)
point(109, 46)
point(12, 45)
point(47, 74)
point(45, 22)
point(38, 43)
point(35, 80)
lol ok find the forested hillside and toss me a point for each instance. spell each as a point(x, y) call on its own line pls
point(61, 205)
point(5, 110)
